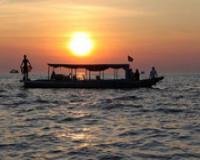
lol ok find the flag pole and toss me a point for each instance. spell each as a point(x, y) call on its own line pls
point(130, 60)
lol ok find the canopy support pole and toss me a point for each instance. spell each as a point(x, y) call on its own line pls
point(86, 75)
point(48, 72)
point(116, 73)
point(75, 73)
point(89, 75)
point(100, 74)
point(71, 73)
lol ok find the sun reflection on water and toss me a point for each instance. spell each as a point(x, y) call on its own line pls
point(82, 136)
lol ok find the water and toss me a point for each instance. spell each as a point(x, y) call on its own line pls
point(72, 124)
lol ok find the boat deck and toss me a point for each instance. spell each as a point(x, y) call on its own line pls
point(102, 84)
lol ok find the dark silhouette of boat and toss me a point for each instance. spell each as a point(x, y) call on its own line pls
point(14, 71)
point(71, 81)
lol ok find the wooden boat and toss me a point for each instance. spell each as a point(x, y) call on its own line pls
point(70, 81)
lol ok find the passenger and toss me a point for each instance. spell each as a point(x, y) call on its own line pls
point(74, 77)
point(25, 67)
point(153, 73)
point(53, 75)
point(98, 77)
point(83, 77)
point(70, 76)
point(131, 74)
point(137, 75)
point(67, 77)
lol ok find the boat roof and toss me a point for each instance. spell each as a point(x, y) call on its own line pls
point(91, 67)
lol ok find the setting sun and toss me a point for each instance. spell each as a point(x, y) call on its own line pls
point(81, 44)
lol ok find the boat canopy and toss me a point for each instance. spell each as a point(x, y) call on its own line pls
point(91, 67)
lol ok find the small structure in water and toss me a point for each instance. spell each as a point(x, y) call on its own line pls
point(71, 80)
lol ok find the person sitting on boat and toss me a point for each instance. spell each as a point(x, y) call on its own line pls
point(137, 75)
point(153, 73)
point(25, 67)
point(74, 77)
point(98, 77)
point(67, 77)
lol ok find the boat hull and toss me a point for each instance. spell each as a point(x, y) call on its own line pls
point(95, 84)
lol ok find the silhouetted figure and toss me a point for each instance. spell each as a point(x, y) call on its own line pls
point(137, 75)
point(153, 73)
point(74, 77)
point(25, 67)
point(53, 75)
point(129, 74)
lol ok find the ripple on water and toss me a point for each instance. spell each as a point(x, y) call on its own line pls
point(14, 146)
point(72, 119)
point(171, 110)
point(128, 98)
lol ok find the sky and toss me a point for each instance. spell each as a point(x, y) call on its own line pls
point(161, 33)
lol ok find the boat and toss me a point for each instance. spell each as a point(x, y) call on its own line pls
point(88, 82)
point(14, 71)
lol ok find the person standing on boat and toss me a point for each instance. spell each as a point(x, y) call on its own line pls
point(153, 73)
point(53, 75)
point(137, 75)
point(129, 74)
point(25, 67)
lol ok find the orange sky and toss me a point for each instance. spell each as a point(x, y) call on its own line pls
point(161, 33)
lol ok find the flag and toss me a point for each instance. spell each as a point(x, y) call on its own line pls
point(130, 59)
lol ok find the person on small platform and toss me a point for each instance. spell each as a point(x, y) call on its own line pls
point(153, 73)
point(25, 68)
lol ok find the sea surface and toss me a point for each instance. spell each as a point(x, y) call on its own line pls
point(78, 124)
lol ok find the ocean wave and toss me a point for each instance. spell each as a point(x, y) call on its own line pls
point(128, 98)
point(14, 146)
point(118, 106)
point(171, 110)
point(70, 119)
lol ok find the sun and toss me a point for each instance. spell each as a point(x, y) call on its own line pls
point(81, 44)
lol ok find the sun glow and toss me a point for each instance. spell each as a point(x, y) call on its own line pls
point(81, 44)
